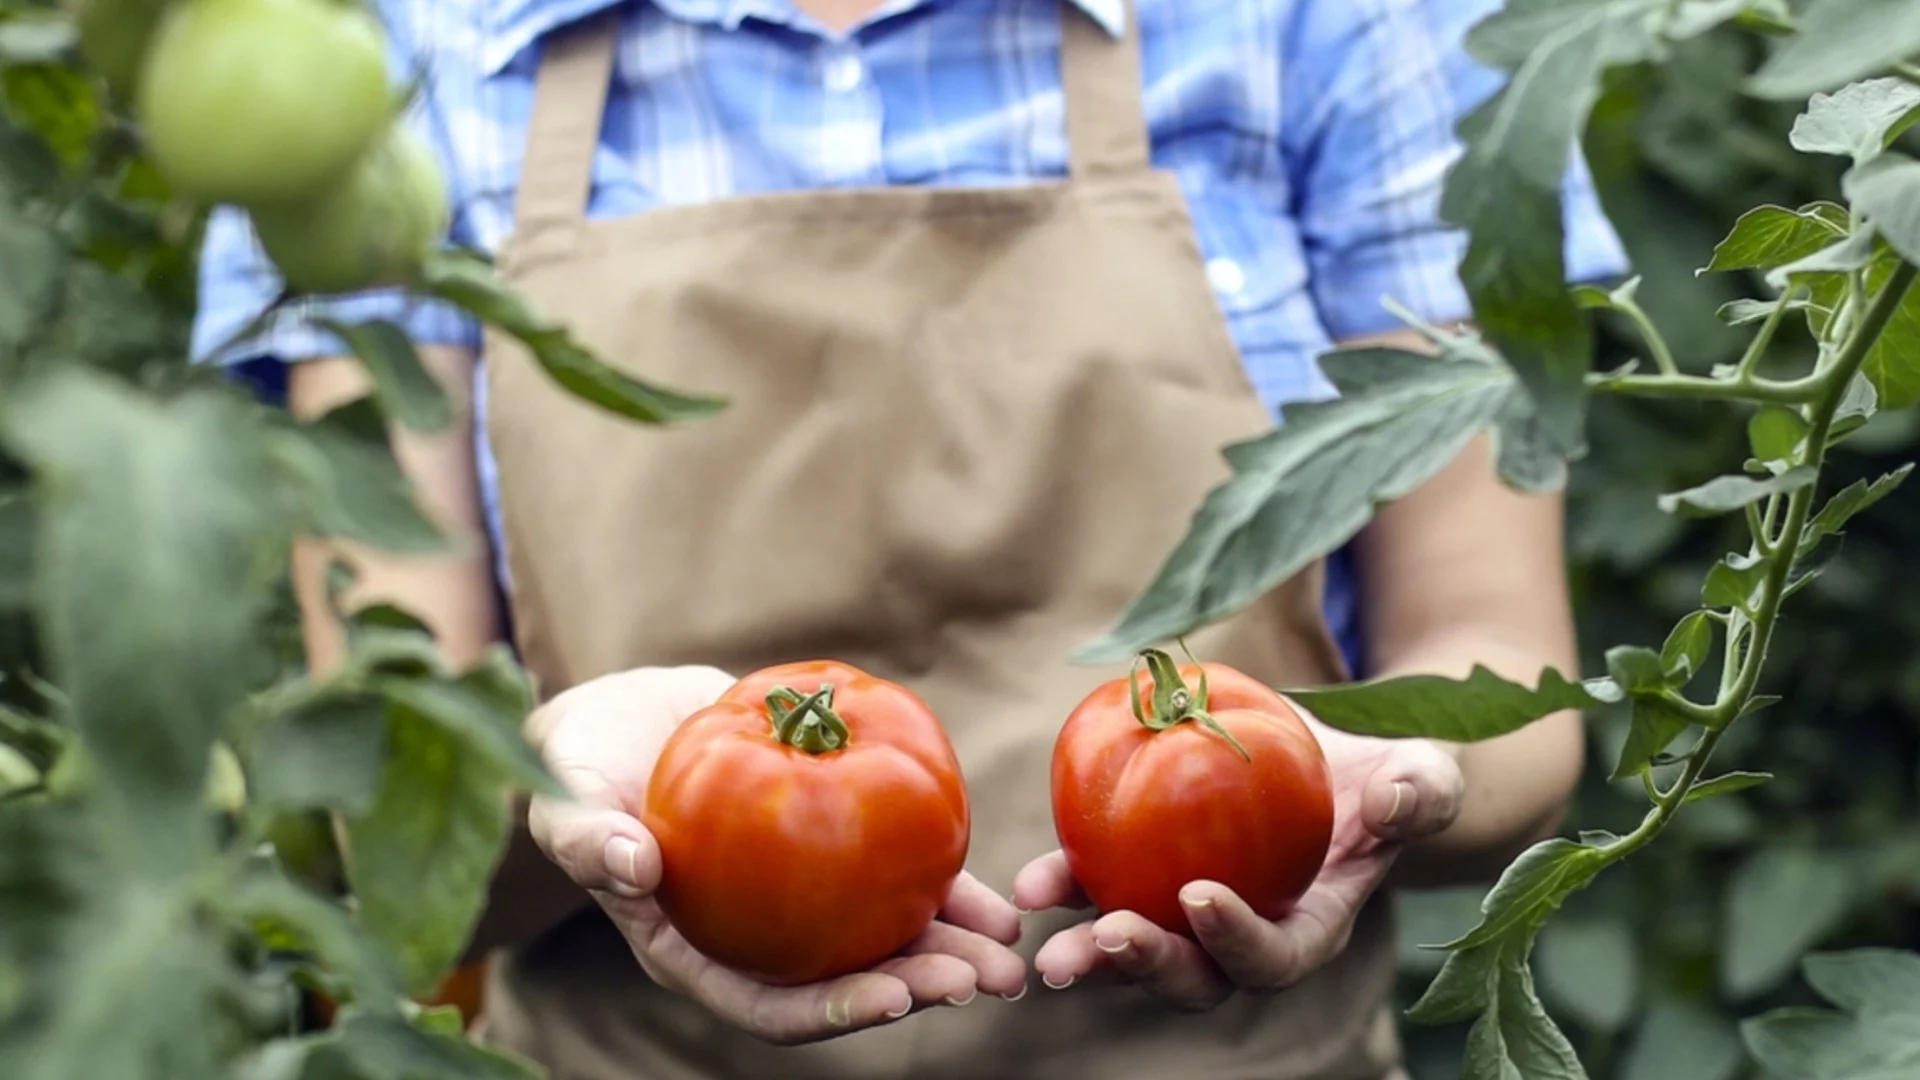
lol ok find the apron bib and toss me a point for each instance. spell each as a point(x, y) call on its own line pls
point(966, 426)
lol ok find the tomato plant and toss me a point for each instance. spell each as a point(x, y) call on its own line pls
point(260, 102)
point(811, 822)
point(1157, 783)
point(375, 227)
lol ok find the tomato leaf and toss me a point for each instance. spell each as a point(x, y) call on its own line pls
point(150, 652)
point(1875, 1035)
point(1481, 706)
point(1680, 1040)
point(1851, 500)
point(1775, 433)
point(1635, 669)
point(470, 283)
point(1858, 120)
point(1654, 727)
point(1734, 582)
point(1687, 647)
point(1696, 17)
point(17, 531)
point(382, 1047)
point(1780, 902)
point(1531, 888)
point(485, 707)
point(326, 752)
point(420, 858)
point(31, 261)
point(316, 925)
point(1301, 490)
point(1770, 236)
point(1725, 785)
point(1839, 41)
point(1884, 190)
point(406, 390)
point(1727, 493)
point(342, 471)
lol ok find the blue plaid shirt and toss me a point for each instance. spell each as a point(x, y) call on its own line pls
point(1310, 137)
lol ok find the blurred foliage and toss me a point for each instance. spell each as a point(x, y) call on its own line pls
point(1653, 966)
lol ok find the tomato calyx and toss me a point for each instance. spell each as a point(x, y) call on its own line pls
point(807, 723)
point(1173, 702)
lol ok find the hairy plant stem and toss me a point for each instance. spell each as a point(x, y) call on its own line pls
point(1740, 674)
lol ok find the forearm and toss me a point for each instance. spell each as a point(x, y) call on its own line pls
point(452, 594)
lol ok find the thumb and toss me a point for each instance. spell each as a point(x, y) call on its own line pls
point(1415, 792)
point(602, 849)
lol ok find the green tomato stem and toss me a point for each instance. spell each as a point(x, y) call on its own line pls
point(808, 724)
point(1751, 389)
point(1174, 702)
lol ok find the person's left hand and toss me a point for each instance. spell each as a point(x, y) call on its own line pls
point(1386, 792)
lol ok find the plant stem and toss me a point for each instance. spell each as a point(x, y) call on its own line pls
point(1763, 338)
point(1656, 344)
point(1759, 391)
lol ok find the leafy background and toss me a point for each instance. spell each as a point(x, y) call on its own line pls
point(1651, 967)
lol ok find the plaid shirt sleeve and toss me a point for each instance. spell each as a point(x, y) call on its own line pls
point(1374, 95)
point(238, 281)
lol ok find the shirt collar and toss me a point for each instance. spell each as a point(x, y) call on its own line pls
point(514, 25)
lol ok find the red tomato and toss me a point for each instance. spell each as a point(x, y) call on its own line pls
point(805, 839)
point(1149, 795)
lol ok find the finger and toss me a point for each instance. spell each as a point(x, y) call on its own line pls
point(977, 908)
point(1416, 793)
point(1069, 957)
point(1257, 954)
point(601, 849)
point(1167, 966)
point(1047, 883)
point(997, 969)
point(934, 978)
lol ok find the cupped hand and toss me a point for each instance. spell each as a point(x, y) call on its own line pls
point(1387, 792)
point(600, 740)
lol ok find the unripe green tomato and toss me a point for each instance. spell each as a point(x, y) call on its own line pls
point(262, 102)
point(113, 37)
point(371, 229)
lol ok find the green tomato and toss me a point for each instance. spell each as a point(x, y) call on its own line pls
point(114, 36)
point(371, 229)
point(261, 102)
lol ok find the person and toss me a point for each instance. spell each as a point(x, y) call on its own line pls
point(987, 284)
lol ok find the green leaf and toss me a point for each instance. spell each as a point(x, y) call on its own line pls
point(155, 551)
point(1770, 236)
point(1679, 1040)
point(1727, 493)
point(1505, 192)
point(1734, 582)
point(485, 708)
point(406, 390)
point(470, 283)
point(1482, 706)
point(1839, 41)
point(1505, 38)
point(1635, 669)
point(420, 859)
point(1857, 406)
point(36, 37)
point(1654, 727)
point(1875, 1036)
point(1532, 887)
point(17, 531)
point(1590, 968)
point(1303, 489)
point(1781, 901)
point(1725, 785)
point(1687, 647)
point(1851, 252)
point(1524, 454)
point(344, 475)
point(1858, 120)
point(312, 923)
point(16, 772)
point(1884, 191)
point(31, 261)
point(1775, 433)
point(1851, 500)
point(1696, 17)
point(326, 752)
point(385, 1047)
point(1743, 311)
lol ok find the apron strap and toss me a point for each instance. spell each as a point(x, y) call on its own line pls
point(1100, 78)
point(1105, 94)
point(563, 131)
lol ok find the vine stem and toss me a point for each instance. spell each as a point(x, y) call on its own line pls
point(1757, 390)
point(1737, 687)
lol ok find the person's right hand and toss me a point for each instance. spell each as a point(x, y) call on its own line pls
point(601, 739)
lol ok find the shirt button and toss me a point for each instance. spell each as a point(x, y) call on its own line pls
point(844, 73)
point(1226, 276)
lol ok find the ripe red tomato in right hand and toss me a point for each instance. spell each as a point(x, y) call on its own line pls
point(1149, 793)
point(811, 823)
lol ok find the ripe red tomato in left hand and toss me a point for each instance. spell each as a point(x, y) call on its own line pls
point(1147, 801)
point(806, 839)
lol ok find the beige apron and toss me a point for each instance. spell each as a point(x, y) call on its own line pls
point(966, 427)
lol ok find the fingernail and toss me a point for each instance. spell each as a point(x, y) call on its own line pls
point(968, 1000)
point(1022, 910)
point(1111, 946)
point(1051, 985)
point(1015, 997)
point(840, 1013)
point(622, 865)
point(1405, 798)
point(904, 1010)
point(1200, 909)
